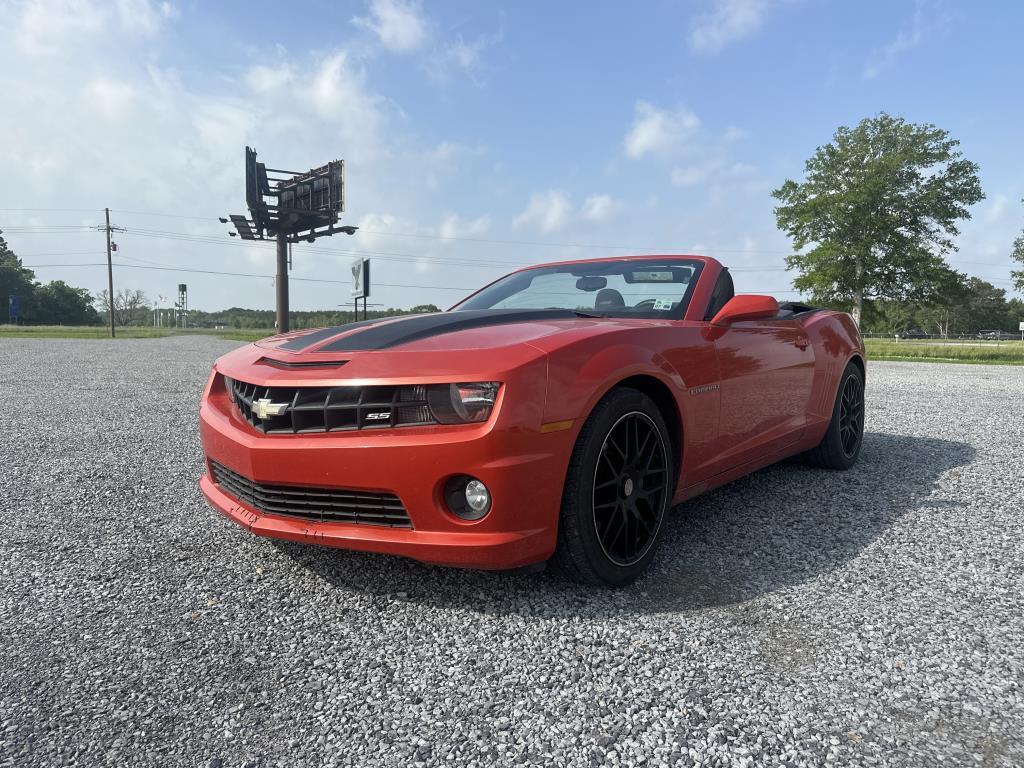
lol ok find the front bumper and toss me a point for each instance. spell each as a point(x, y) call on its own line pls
point(523, 467)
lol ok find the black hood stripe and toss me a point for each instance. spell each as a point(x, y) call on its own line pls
point(307, 340)
point(403, 330)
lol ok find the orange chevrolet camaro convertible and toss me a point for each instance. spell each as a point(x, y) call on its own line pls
point(555, 415)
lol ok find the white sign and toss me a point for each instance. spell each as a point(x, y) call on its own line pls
point(1021, 328)
point(360, 278)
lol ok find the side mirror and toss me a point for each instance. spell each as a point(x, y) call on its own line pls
point(747, 308)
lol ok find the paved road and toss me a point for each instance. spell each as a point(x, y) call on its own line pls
point(796, 617)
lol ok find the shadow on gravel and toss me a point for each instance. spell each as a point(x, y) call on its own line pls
point(774, 529)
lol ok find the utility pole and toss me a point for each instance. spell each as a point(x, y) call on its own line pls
point(282, 282)
point(110, 277)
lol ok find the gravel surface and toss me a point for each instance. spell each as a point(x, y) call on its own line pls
point(796, 617)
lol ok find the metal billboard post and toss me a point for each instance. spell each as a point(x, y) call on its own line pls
point(281, 284)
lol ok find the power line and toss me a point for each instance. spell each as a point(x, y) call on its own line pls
point(442, 238)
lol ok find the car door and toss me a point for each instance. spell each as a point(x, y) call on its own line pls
point(767, 370)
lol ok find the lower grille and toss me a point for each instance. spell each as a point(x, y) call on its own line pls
point(318, 504)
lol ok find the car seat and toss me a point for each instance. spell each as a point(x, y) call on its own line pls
point(609, 298)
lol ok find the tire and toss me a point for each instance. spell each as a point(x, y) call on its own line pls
point(841, 445)
point(617, 491)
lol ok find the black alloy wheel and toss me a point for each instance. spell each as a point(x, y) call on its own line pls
point(840, 447)
point(630, 488)
point(619, 484)
point(851, 415)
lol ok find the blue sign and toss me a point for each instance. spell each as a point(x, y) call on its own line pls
point(13, 306)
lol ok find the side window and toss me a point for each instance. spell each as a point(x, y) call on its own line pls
point(724, 291)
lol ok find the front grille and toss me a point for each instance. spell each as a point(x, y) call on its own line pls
point(318, 504)
point(300, 410)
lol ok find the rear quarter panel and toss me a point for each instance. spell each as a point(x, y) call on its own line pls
point(836, 341)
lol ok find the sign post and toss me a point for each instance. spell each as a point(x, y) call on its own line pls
point(13, 307)
point(1021, 326)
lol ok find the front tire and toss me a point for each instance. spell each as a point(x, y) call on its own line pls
point(840, 447)
point(617, 491)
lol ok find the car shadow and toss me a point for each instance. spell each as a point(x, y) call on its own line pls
point(778, 528)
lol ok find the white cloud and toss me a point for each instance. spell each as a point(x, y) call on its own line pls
point(658, 131)
point(599, 208)
point(110, 97)
point(453, 227)
point(547, 211)
point(374, 228)
point(997, 210)
point(338, 94)
point(56, 27)
point(728, 20)
point(928, 20)
point(465, 55)
point(689, 176)
point(262, 78)
point(397, 24)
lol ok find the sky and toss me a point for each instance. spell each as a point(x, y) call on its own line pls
point(477, 137)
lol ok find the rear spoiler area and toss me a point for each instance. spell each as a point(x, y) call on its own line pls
point(791, 309)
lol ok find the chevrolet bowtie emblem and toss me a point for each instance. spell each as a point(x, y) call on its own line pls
point(264, 408)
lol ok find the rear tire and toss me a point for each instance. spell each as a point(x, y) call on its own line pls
point(840, 447)
point(617, 491)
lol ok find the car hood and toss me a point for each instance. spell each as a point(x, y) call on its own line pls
point(472, 345)
point(439, 332)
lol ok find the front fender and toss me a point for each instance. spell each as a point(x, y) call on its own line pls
point(579, 378)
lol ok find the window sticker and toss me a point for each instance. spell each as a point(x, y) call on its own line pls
point(663, 303)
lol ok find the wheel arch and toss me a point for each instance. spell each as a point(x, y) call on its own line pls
point(662, 396)
point(857, 360)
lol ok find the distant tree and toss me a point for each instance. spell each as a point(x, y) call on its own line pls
point(131, 307)
point(15, 280)
point(61, 304)
point(977, 305)
point(421, 309)
point(1017, 254)
point(890, 317)
point(1014, 314)
point(880, 206)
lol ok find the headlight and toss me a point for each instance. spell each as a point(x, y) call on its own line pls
point(462, 403)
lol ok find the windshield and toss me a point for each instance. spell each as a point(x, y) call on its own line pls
point(654, 288)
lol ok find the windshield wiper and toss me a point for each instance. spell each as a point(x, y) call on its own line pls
point(581, 313)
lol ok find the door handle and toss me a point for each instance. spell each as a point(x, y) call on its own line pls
point(802, 343)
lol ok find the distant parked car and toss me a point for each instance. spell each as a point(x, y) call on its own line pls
point(914, 333)
point(995, 335)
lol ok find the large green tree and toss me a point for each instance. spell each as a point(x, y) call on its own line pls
point(877, 211)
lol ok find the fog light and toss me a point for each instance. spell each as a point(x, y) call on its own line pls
point(477, 496)
point(467, 497)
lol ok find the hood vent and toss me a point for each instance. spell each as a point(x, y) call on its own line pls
point(291, 364)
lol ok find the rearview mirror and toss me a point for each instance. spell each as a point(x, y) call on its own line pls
point(747, 308)
point(591, 283)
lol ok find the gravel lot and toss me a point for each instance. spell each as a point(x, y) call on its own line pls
point(797, 617)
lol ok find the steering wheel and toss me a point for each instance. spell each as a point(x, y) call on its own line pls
point(645, 304)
